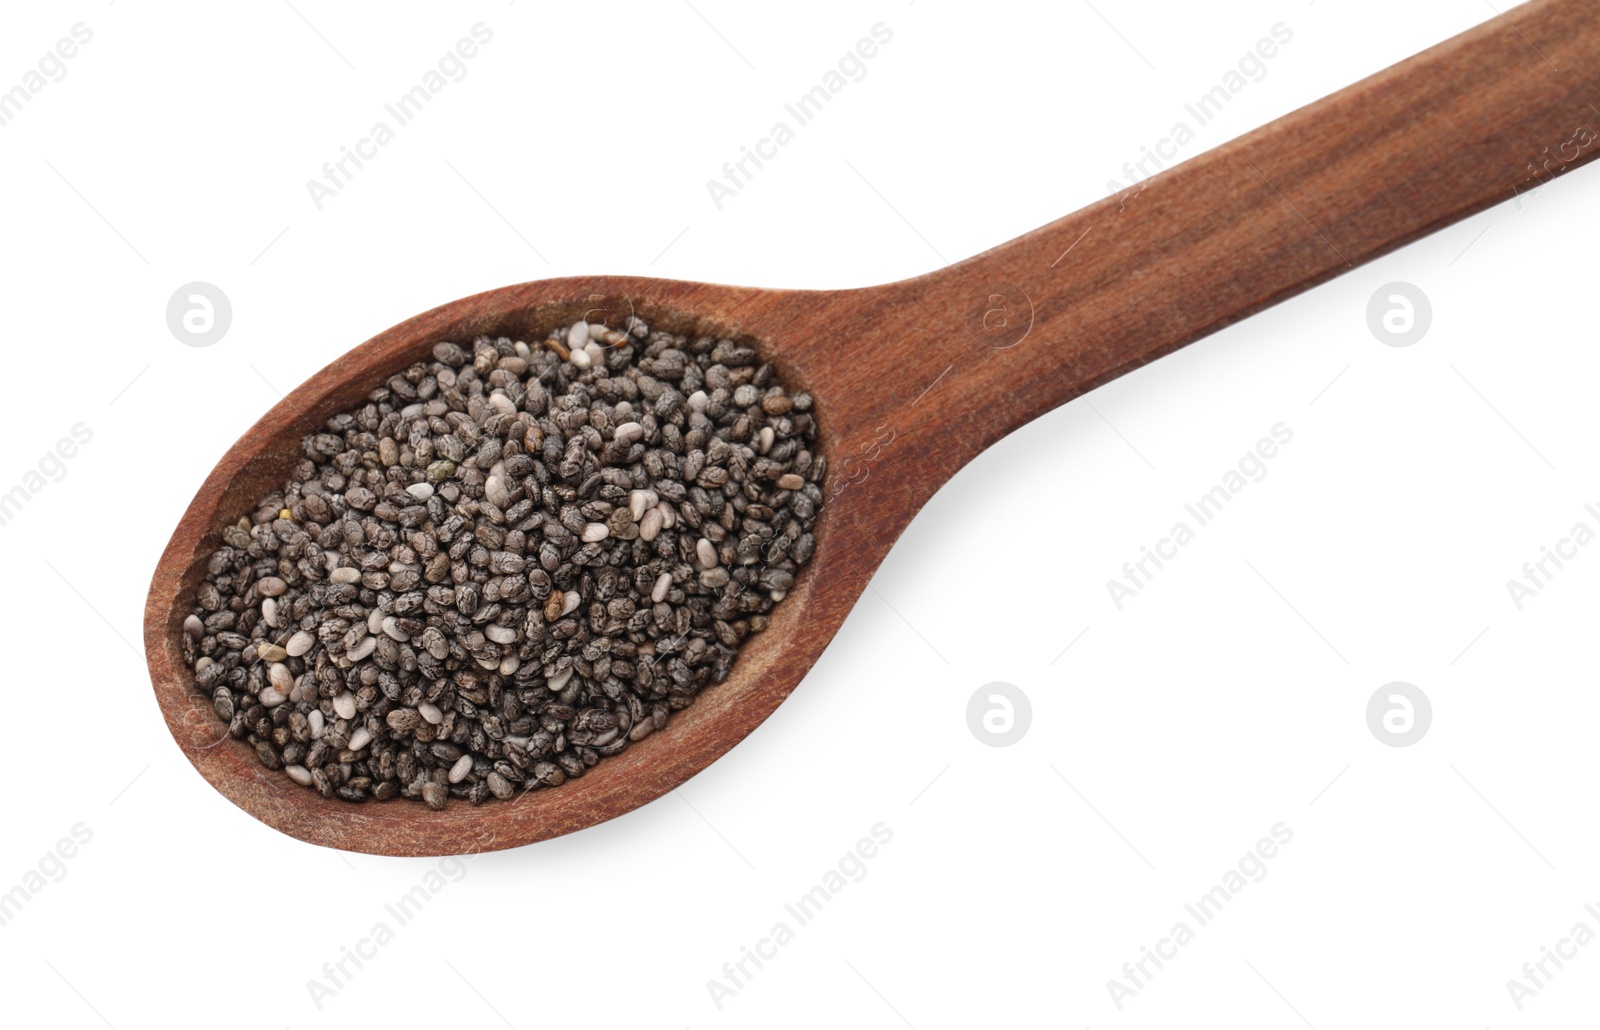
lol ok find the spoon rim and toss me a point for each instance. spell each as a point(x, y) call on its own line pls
point(767, 667)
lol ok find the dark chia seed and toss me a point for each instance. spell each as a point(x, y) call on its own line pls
point(511, 563)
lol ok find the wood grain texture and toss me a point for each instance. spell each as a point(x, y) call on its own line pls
point(914, 379)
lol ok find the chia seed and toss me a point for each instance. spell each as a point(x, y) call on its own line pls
point(509, 564)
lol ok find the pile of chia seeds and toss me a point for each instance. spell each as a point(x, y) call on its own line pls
point(512, 562)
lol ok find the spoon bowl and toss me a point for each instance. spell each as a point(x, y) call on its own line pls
point(769, 665)
point(912, 380)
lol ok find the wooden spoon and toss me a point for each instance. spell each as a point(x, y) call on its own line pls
point(914, 379)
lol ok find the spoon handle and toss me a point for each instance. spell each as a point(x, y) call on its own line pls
point(1491, 115)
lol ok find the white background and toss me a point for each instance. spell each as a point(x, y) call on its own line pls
point(1229, 696)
